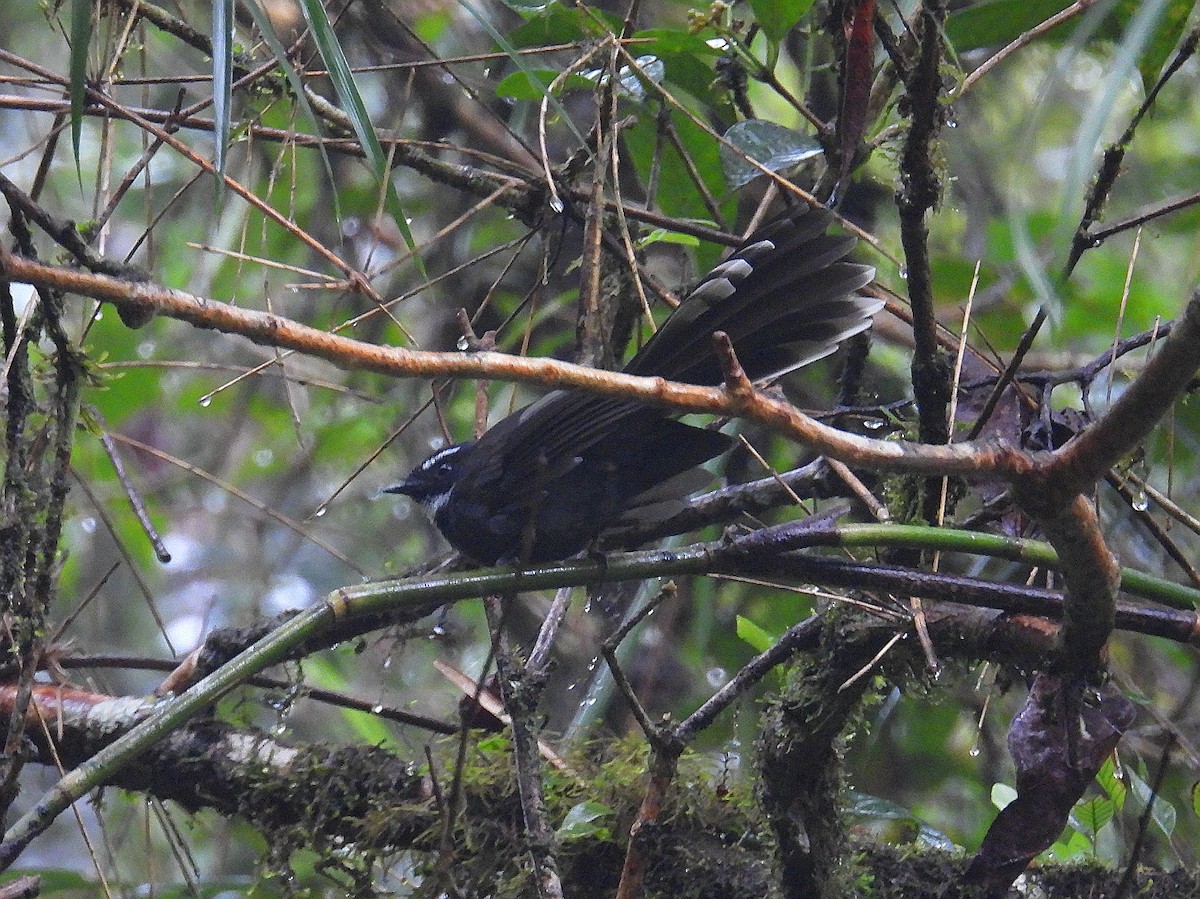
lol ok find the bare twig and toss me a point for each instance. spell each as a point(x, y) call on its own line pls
point(1022, 40)
point(1110, 167)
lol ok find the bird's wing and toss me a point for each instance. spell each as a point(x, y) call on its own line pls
point(785, 297)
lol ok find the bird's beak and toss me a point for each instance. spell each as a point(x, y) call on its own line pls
point(403, 487)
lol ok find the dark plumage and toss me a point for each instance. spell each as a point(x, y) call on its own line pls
point(544, 482)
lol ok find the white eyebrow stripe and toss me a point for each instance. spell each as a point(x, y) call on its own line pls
point(437, 457)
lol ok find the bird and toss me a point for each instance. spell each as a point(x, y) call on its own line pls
point(543, 483)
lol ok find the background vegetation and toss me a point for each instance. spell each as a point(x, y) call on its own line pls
point(371, 169)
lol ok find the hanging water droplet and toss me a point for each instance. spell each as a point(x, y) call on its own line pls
point(873, 424)
point(1141, 502)
point(974, 751)
point(556, 204)
point(320, 513)
point(904, 273)
point(206, 401)
point(463, 344)
point(376, 709)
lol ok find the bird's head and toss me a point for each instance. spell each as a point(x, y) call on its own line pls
point(431, 481)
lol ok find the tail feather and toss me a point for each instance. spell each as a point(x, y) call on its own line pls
point(785, 298)
point(790, 274)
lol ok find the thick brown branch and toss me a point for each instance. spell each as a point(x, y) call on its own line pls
point(1089, 569)
point(209, 764)
point(990, 456)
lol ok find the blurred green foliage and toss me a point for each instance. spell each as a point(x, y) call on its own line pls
point(301, 437)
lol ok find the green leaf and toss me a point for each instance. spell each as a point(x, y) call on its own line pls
point(1002, 795)
point(778, 17)
point(668, 40)
point(431, 26)
point(343, 82)
point(1111, 784)
point(222, 69)
point(81, 36)
point(496, 744)
point(56, 880)
point(519, 63)
point(581, 822)
point(534, 83)
point(869, 806)
point(1092, 814)
point(334, 58)
point(876, 807)
point(1172, 20)
point(998, 22)
point(677, 194)
point(758, 638)
point(1070, 846)
point(363, 726)
point(662, 235)
point(267, 32)
point(1163, 812)
point(557, 24)
point(774, 146)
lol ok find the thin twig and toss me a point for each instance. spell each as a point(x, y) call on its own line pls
point(1023, 40)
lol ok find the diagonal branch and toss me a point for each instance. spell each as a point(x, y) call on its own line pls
point(985, 456)
point(1149, 397)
